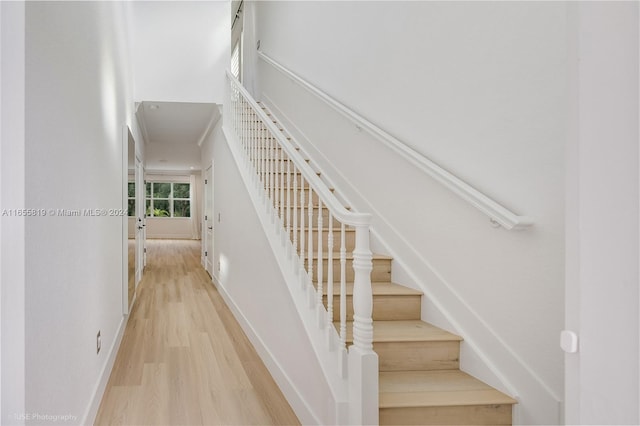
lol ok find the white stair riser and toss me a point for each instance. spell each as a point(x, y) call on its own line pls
point(448, 415)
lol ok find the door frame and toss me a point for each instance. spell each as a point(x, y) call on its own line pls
point(141, 234)
point(207, 221)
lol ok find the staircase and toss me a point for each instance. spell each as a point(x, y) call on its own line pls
point(419, 376)
point(420, 381)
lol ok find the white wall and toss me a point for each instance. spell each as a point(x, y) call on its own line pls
point(602, 378)
point(12, 229)
point(480, 88)
point(249, 278)
point(180, 50)
point(172, 228)
point(78, 96)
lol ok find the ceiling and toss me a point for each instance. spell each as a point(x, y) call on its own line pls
point(173, 132)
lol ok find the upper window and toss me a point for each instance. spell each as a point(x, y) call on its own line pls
point(235, 61)
point(131, 198)
point(168, 199)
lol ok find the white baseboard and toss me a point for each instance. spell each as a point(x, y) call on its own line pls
point(89, 416)
point(293, 396)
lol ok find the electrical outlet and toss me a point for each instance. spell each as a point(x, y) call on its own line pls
point(98, 342)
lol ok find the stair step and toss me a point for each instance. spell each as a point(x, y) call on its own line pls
point(263, 147)
point(277, 162)
point(284, 172)
point(296, 176)
point(407, 331)
point(379, 288)
point(290, 196)
point(315, 205)
point(296, 194)
point(305, 187)
point(296, 210)
point(381, 271)
point(449, 397)
point(413, 345)
point(349, 237)
point(390, 301)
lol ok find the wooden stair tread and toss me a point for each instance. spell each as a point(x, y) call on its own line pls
point(314, 206)
point(405, 331)
point(296, 172)
point(336, 255)
point(379, 289)
point(401, 389)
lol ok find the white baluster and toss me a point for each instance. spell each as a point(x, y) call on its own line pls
point(363, 361)
point(320, 273)
point(362, 293)
point(310, 242)
point(260, 153)
point(244, 122)
point(276, 190)
point(281, 205)
point(295, 210)
point(343, 287)
point(263, 164)
point(303, 274)
point(288, 212)
point(329, 318)
point(255, 154)
point(250, 137)
point(241, 120)
point(271, 175)
point(234, 109)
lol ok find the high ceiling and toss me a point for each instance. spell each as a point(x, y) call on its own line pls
point(173, 132)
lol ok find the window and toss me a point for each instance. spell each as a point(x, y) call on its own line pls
point(168, 199)
point(235, 61)
point(131, 196)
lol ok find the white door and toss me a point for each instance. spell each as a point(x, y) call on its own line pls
point(208, 220)
point(140, 221)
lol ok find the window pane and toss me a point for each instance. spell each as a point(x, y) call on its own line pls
point(180, 190)
point(161, 208)
point(148, 189)
point(235, 61)
point(161, 190)
point(181, 208)
point(132, 207)
point(132, 189)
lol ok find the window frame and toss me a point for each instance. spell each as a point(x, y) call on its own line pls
point(150, 205)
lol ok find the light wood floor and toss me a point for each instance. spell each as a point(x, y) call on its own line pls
point(183, 358)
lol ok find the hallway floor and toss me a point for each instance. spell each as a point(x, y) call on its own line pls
point(184, 359)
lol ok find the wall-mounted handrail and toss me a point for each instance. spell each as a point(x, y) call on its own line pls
point(497, 213)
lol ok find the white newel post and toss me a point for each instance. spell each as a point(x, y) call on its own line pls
point(363, 361)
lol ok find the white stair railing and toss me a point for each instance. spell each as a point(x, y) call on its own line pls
point(307, 217)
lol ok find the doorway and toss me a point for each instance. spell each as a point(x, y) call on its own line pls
point(208, 220)
point(141, 217)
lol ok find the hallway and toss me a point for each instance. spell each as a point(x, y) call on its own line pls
point(184, 359)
